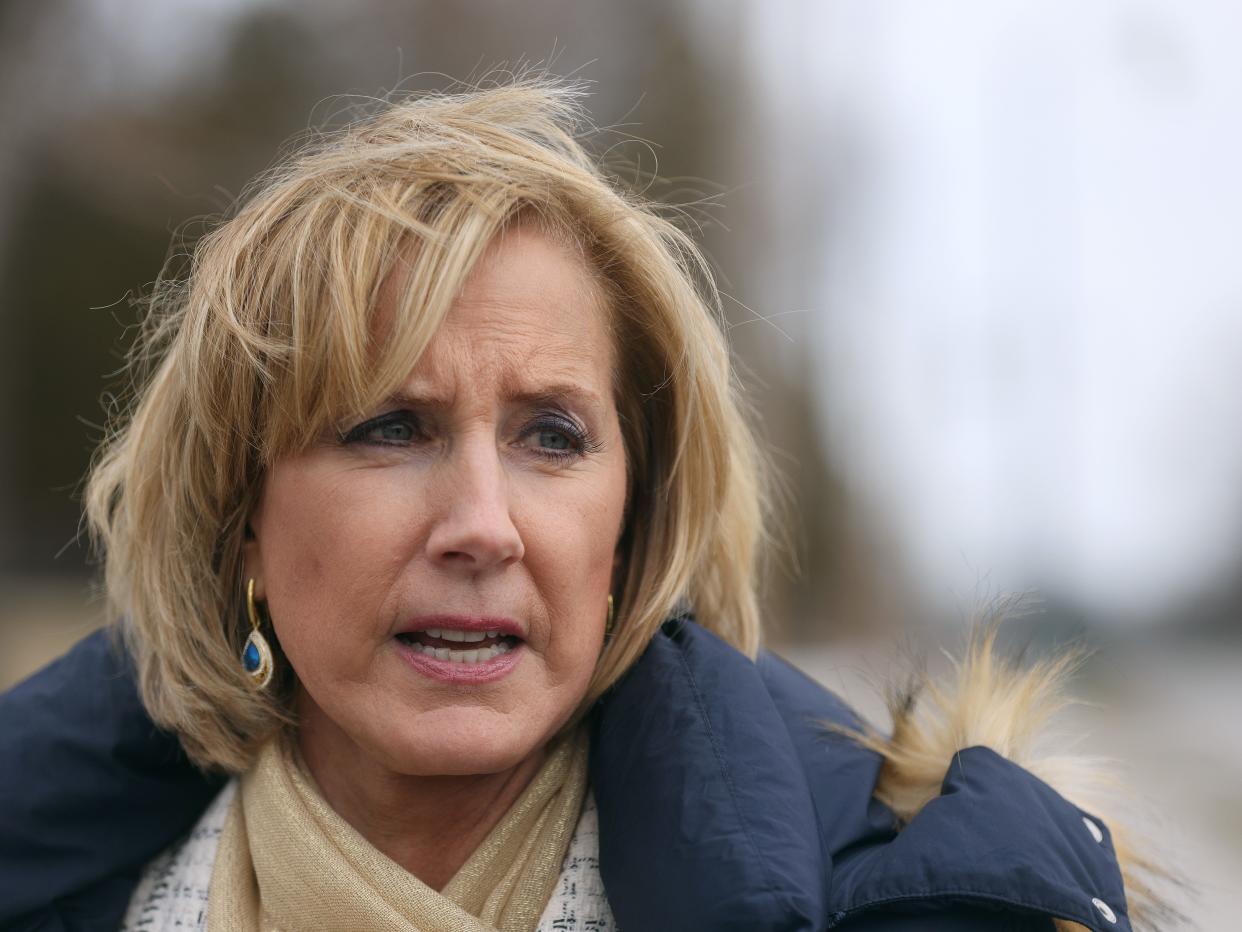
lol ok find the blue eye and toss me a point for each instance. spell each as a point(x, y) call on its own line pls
point(392, 432)
point(554, 440)
point(395, 429)
point(559, 440)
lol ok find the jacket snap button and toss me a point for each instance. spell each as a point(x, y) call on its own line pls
point(1093, 829)
point(1105, 910)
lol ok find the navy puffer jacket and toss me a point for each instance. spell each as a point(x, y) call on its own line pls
point(724, 804)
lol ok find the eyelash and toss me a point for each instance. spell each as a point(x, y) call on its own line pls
point(582, 441)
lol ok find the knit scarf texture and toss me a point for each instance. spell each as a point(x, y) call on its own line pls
point(287, 861)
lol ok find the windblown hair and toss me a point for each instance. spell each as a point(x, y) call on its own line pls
point(267, 339)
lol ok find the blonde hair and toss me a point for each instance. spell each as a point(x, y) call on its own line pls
point(267, 339)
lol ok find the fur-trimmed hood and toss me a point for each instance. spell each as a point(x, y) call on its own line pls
point(996, 701)
point(749, 791)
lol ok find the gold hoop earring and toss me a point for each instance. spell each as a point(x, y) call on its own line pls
point(608, 624)
point(256, 656)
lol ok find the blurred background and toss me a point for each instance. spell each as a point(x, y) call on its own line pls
point(982, 279)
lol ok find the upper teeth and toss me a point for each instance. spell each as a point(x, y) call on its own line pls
point(448, 634)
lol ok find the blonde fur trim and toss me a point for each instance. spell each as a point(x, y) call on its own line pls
point(998, 702)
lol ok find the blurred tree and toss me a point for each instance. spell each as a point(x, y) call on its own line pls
point(60, 265)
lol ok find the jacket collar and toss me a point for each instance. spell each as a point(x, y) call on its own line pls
point(726, 803)
point(706, 819)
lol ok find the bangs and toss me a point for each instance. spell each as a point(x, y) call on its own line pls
point(369, 272)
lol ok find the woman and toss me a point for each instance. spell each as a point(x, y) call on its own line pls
point(434, 527)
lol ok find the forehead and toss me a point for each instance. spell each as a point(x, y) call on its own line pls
point(530, 311)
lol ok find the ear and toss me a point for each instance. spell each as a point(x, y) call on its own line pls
point(618, 570)
point(252, 564)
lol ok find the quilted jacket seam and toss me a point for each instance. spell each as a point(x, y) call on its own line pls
point(770, 886)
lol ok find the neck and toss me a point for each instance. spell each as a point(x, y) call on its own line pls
point(430, 825)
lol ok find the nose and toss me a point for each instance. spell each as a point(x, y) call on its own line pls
point(473, 529)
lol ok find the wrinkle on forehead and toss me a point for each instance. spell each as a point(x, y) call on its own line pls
point(522, 350)
point(396, 283)
point(522, 362)
point(439, 384)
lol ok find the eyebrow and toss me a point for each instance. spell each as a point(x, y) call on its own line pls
point(557, 391)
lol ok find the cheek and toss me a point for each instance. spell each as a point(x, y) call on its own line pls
point(332, 546)
point(570, 546)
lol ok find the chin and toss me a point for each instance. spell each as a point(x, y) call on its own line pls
point(461, 745)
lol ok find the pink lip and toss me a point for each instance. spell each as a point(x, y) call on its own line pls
point(463, 623)
point(449, 671)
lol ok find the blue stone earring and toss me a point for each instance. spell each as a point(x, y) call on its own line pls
point(256, 656)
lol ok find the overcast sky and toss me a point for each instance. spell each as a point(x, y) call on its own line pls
point(1029, 302)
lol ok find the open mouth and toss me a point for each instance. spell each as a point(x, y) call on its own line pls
point(467, 647)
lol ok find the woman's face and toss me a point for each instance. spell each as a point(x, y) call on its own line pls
point(488, 497)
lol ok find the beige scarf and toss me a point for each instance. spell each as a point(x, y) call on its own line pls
point(288, 862)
